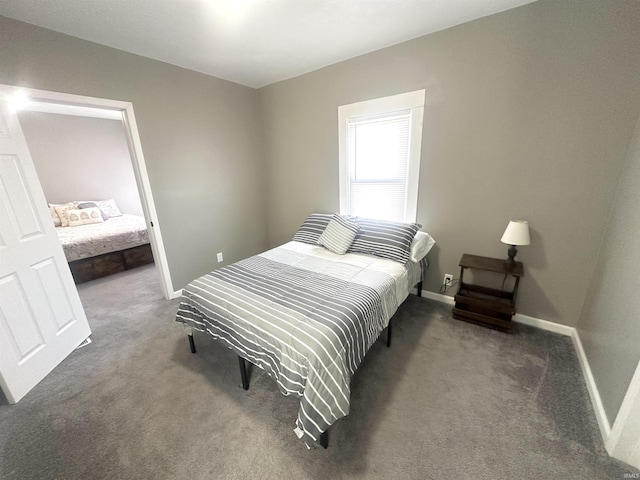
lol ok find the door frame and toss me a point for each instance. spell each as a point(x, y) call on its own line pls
point(137, 159)
point(624, 441)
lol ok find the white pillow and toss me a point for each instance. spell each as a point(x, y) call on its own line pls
point(421, 245)
point(109, 207)
point(339, 234)
point(84, 216)
point(54, 217)
point(61, 210)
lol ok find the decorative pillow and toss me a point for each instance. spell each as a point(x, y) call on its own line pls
point(421, 245)
point(109, 207)
point(61, 210)
point(93, 205)
point(312, 228)
point(339, 234)
point(54, 217)
point(84, 216)
point(384, 239)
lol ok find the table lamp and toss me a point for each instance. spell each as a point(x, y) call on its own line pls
point(517, 233)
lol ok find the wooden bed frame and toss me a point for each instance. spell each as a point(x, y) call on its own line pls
point(87, 269)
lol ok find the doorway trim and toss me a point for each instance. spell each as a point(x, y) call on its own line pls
point(125, 110)
point(624, 442)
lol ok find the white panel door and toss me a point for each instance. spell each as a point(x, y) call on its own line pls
point(41, 317)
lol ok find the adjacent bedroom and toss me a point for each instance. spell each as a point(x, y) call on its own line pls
point(84, 166)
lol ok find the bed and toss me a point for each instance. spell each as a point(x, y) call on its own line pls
point(305, 315)
point(107, 243)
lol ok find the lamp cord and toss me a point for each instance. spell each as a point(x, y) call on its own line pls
point(444, 288)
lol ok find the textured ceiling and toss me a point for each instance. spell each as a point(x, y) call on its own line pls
point(251, 42)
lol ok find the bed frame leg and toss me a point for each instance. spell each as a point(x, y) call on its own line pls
point(389, 330)
point(324, 438)
point(420, 288)
point(243, 373)
point(192, 345)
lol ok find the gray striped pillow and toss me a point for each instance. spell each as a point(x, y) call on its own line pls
point(384, 239)
point(312, 228)
point(338, 235)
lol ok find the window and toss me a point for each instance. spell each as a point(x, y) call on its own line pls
point(380, 143)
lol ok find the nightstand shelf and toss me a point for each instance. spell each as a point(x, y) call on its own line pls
point(486, 306)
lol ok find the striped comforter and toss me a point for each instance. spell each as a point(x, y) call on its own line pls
point(305, 316)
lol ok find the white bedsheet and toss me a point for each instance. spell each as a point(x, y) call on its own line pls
point(405, 277)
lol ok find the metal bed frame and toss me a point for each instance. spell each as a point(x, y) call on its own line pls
point(244, 376)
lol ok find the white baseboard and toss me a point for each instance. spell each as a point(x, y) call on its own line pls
point(592, 388)
point(438, 297)
point(594, 394)
point(518, 317)
point(544, 324)
point(176, 294)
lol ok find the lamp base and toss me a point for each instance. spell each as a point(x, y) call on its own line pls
point(512, 253)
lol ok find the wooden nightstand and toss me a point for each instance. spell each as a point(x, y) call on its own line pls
point(486, 306)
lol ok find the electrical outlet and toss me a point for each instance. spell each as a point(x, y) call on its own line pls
point(448, 279)
point(220, 257)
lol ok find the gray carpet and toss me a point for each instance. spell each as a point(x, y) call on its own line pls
point(449, 400)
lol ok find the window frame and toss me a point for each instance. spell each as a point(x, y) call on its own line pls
point(412, 101)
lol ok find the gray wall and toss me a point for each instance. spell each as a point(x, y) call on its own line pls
point(81, 158)
point(609, 325)
point(201, 138)
point(528, 115)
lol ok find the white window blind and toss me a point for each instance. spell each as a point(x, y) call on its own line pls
point(380, 144)
point(378, 152)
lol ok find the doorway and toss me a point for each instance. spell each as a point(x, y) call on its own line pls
point(55, 102)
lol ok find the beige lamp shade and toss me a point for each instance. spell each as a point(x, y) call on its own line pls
point(517, 233)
